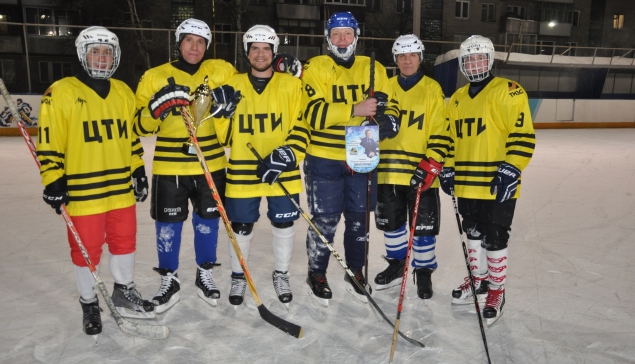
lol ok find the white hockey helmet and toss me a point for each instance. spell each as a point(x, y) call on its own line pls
point(342, 19)
point(94, 36)
point(476, 44)
point(196, 27)
point(408, 43)
point(261, 34)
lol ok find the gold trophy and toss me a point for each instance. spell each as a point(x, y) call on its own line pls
point(197, 112)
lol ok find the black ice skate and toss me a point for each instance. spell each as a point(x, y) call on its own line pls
point(92, 317)
point(129, 303)
point(352, 287)
point(239, 284)
point(207, 289)
point(319, 287)
point(392, 275)
point(168, 294)
point(282, 287)
point(494, 305)
point(422, 276)
point(463, 294)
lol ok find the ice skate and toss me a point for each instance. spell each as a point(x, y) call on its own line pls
point(92, 317)
point(392, 275)
point(352, 287)
point(239, 284)
point(129, 303)
point(463, 294)
point(168, 294)
point(422, 276)
point(282, 287)
point(494, 305)
point(319, 287)
point(207, 289)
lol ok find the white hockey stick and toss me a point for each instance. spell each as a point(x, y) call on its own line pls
point(146, 331)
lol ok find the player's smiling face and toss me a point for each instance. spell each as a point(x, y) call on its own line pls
point(100, 56)
point(260, 56)
point(476, 64)
point(408, 63)
point(192, 48)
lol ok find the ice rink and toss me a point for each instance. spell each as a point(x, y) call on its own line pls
point(570, 292)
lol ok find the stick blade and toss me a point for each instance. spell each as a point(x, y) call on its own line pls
point(286, 326)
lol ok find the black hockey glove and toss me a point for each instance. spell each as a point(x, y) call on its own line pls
point(446, 178)
point(282, 159)
point(388, 126)
point(426, 172)
point(505, 182)
point(168, 98)
point(55, 194)
point(287, 63)
point(382, 101)
point(230, 107)
point(140, 184)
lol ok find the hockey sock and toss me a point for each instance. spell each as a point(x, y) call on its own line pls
point(497, 262)
point(85, 283)
point(423, 255)
point(244, 242)
point(355, 238)
point(282, 247)
point(168, 243)
point(316, 250)
point(396, 243)
point(205, 239)
point(476, 253)
point(122, 268)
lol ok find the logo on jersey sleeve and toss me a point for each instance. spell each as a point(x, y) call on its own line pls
point(514, 89)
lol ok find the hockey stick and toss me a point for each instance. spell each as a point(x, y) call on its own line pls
point(337, 256)
point(371, 90)
point(288, 327)
point(146, 331)
point(405, 271)
point(469, 274)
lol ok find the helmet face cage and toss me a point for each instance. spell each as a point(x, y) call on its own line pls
point(196, 27)
point(408, 43)
point(261, 34)
point(342, 20)
point(476, 45)
point(90, 38)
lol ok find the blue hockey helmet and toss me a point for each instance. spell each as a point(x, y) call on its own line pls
point(342, 19)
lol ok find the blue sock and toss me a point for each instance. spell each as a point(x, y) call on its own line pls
point(168, 243)
point(205, 239)
point(423, 252)
point(396, 243)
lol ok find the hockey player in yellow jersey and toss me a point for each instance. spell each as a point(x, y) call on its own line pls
point(493, 142)
point(334, 87)
point(91, 161)
point(268, 117)
point(412, 157)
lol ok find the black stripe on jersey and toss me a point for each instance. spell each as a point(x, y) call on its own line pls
point(99, 195)
point(297, 148)
point(182, 159)
point(97, 185)
point(476, 173)
point(241, 172)
point(395, 170)
point(396, 161)
point(105, 172)
point(50, 165)
point(141, 130)
point(310, 105)
point(257, 181)
point(402, 152)
point(50, 153)
point(442, 153)
point(243, 162)
point(519, 153)
point(441, 137)
point(325, 109)
point(521, 144)
point(330, 145)
point(478, 164)
point(522, 135)
point(171, 140)
point(327, 135)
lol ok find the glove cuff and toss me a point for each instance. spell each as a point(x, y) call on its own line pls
point(139, 172)
point(58, 185)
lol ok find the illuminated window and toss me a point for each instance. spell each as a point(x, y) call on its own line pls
point(618, 21)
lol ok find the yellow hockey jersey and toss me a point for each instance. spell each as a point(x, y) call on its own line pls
point(90, 140)
point(266, 120)
point(493, 127)
point(172, 132)
point(423, 131)
point(329, 92)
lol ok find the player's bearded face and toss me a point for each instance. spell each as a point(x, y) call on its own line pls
point(100, 56)
point(408, 63)
point(476, 64)
point(260, 56)
point(192, 48)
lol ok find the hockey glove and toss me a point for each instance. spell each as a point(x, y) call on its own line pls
point(168, 98)
point(230, 107)
point(221, 96)
point(287, 63)
point(388, 126)
point(382, 101)
point(282, 159)
point(426, 172)
point(446, 178)
point(140, 184)
point(55, 194)
point(505, 182)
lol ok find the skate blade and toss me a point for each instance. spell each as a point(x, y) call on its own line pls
point(211, 301)
point(286, 305)
point(361, 297)
point(166, 306)
point(470, 300)
point(396, 282)
point(127, 313)
point(490, 321)
point(95, 337)
point(322, 301)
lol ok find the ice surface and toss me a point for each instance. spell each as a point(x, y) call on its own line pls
point(570, 292)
